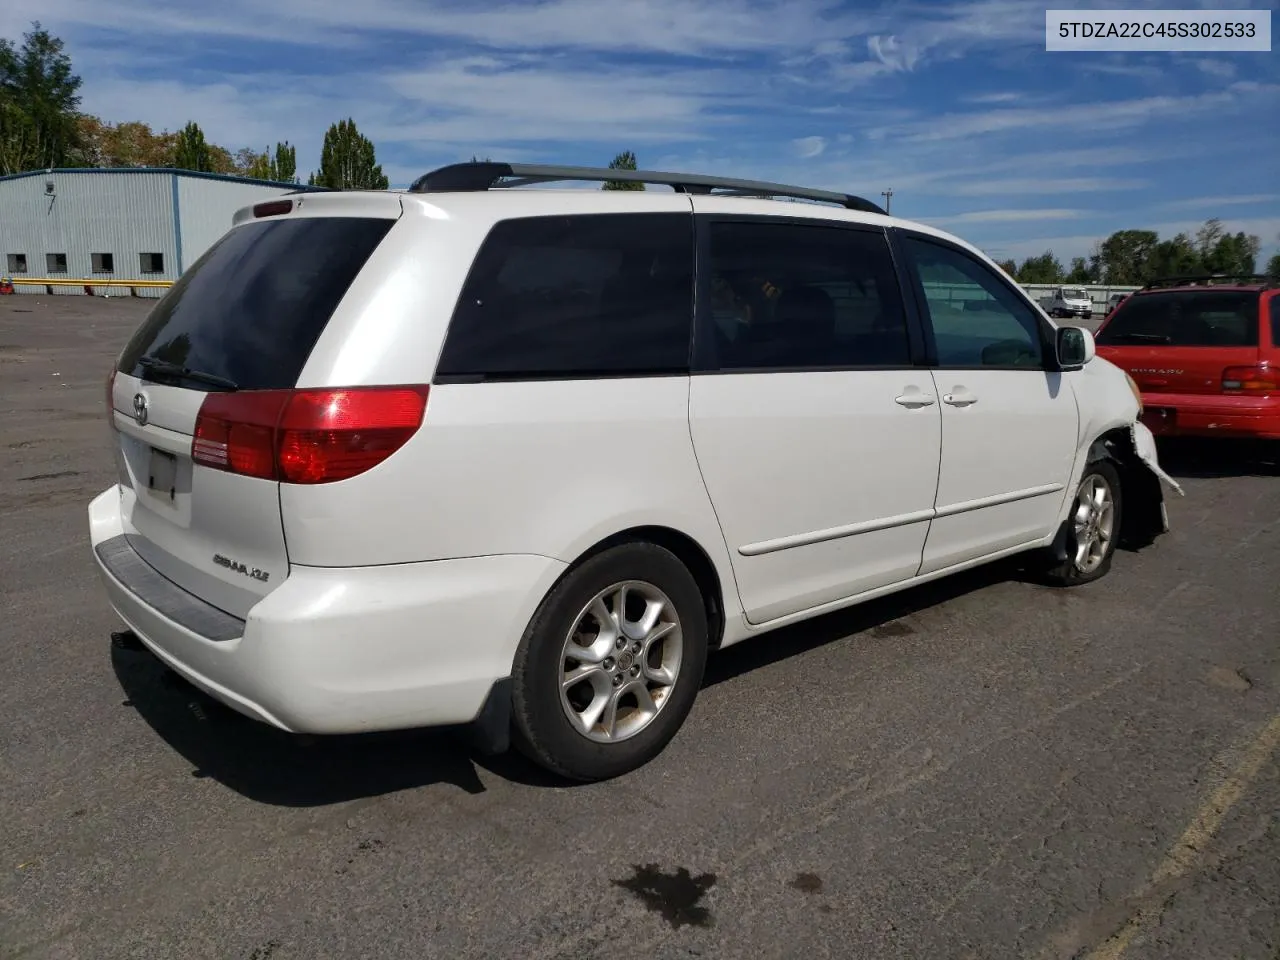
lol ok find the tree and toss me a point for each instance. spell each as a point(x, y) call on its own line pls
point(1122, 257)
point(129, 144)
point(245, 159)
point(1273, 266)
point(285, 163)
point(1008, 266)
point(623, 161)
point(1042, 269)
point(1079, 272)
point(347, 161)
point(1233, 253)
point(39, 103)
point(1173, 258)
point(281, 165)
point(260, 167)
point(1207, 237)
point(191, 152)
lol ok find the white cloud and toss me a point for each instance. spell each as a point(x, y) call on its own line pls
point(987, 98)
point(893, 53)
point(1046, 185)
point(1089, 118)
point(1004, 216)
point(1194, 203)
point(1223, 69)
point(807, 147)
point(667, 26)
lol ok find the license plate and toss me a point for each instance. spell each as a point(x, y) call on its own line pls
point(163, 474)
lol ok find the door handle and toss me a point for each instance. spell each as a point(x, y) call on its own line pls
point(914, 397)
point(961, 398)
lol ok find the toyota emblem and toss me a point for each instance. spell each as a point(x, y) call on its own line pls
point(140, 409)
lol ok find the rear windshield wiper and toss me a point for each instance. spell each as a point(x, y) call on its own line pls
point(167, 369)
point(1144, 337)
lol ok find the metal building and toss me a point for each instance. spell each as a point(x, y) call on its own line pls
point(143, 224)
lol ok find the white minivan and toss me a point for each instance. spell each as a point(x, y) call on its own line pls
point(522, 458)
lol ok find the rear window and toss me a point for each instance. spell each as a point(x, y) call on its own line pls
point(252, 308)
point(1208, 318)
point(576, 296)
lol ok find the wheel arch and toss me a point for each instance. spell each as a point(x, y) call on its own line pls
point(1142, 518)
point(689, 552)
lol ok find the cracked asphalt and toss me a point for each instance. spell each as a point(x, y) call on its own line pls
point(981, 768)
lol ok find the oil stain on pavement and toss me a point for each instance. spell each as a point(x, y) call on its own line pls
point(673, 895)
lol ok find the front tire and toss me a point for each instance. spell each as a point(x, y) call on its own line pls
point(611, 663)
point(1092, 528)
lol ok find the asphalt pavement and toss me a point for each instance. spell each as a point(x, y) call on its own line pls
point(981, 768)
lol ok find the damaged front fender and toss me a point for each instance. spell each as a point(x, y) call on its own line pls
point(1144, 517)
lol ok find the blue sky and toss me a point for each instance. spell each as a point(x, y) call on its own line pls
point(956, 106)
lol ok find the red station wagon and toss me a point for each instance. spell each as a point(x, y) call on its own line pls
point(1204, 352)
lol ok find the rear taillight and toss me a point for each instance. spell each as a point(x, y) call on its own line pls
point(306, 436)
point(1250, 380)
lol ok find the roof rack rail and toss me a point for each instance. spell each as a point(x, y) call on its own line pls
point(1212, 280)
point(469, 177)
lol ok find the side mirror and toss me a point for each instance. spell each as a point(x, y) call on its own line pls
point(1075, 347)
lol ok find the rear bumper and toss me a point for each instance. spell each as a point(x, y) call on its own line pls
point(337, 650)
point(1177, 414)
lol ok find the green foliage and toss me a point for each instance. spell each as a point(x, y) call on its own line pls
point(39, 100)
point(191, 151)
point(347, 161)
point(1010, 267)
point(1273, 266)
point(259, 167)
point(1172, 258)
point(284, 165)
point(1136, 256)
point(1233, 253)
point(1122, 257)
point(623, 161)
point(1042, 269)
point(1079, 272)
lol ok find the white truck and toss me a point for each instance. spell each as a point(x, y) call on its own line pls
point(1067, 302)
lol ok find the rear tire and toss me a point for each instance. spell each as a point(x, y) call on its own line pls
point(610, 664)
point(1092, 528)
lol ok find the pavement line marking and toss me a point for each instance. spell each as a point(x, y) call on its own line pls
point(1195, 839)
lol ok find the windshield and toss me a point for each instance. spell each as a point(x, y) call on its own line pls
point(249, 311)
point(1208, 318)
point(1074, 295)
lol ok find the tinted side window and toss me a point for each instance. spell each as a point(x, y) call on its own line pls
point(1275, 320)
point(604, 294)
point(787, 296)
point(253, 306)
point(977, 320)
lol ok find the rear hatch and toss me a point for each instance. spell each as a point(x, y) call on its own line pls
point(1183, 341)
point(242, 320)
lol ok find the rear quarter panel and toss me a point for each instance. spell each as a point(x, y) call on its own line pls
point(537, 467)
point(548, 468)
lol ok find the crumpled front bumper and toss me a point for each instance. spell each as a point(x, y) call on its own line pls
point(1144, 443)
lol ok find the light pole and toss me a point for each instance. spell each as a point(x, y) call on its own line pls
point(888, 198)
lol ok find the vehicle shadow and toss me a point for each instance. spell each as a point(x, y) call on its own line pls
point(876, 619)
point(272, 767)
point(1190, 458)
